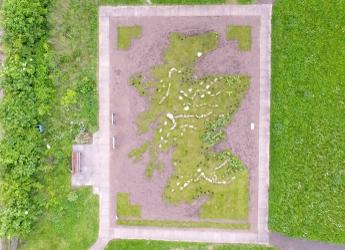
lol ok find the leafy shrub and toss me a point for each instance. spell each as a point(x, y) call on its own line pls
point(26, 102)
point(215, 130)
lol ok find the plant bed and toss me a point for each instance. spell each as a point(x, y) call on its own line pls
point(186, 155)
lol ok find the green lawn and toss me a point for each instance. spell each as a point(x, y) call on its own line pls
point(164, 245)
point(307, 168)
point(72, 226)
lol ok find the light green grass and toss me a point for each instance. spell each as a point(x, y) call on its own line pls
point(307, 171)
point(165, 245)
point(242, 34)
point(201, 109)
point(72, 226)
point(125, 35)
point(125, 208)
point(230, 203)
point(246, 1)
point(185, 224)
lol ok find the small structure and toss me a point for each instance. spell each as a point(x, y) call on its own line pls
point(113, 121)
point(76, 162)
point(114, 142)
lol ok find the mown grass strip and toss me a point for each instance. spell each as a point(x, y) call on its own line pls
point(186, 224)
point(165, 245)
point(307, 171)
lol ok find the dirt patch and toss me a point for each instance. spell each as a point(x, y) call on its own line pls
point(146, 52)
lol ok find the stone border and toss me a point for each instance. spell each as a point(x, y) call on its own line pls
point(103, 137)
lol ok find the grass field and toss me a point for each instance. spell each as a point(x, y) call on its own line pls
point(307, 169)
point(163, 245)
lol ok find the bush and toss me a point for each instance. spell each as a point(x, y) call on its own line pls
point(26, 102)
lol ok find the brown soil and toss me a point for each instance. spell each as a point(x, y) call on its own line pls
point(148, 51)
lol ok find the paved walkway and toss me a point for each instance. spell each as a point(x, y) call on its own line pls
point(287, 243)
point(107, 229)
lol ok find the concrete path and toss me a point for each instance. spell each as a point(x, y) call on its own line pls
point(287, 243)
point(108, 230)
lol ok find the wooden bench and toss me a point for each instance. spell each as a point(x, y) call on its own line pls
point(75, 162)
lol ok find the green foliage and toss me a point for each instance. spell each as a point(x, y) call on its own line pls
point(307, 171)
point(26, 103)
point(69, 98)
point(73, 49)
point(214, 132)
point(124, 208)
point(165, 245)
point(125, 35)
point(70, 226)
point(243, 35)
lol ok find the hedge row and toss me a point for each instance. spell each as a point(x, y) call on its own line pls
point(28, 91)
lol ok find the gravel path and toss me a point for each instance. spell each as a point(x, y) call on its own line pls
point(287, 243)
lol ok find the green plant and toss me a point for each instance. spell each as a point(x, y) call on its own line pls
point(26, 103)
point(214, 132)
point(165, 245)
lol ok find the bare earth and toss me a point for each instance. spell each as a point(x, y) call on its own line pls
point(129, 177)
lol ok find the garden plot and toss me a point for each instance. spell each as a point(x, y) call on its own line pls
point(185, 103)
